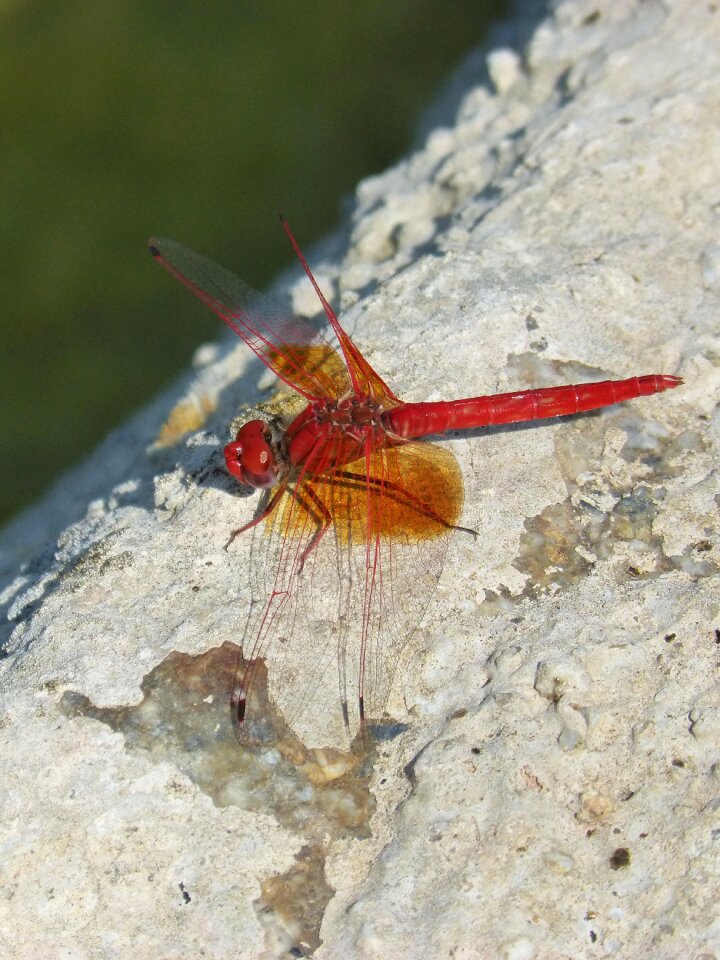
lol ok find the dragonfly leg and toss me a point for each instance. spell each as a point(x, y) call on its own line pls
point(267, 510)
point(321, 516)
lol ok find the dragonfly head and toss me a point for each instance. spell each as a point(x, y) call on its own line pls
point(251, 456)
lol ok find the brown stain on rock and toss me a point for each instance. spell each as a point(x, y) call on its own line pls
point(322, 795)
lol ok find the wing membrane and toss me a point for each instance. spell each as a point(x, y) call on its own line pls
point(280, 342)
point(340, 622)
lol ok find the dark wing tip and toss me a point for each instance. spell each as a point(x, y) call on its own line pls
point(281, 216)
point(162, 246)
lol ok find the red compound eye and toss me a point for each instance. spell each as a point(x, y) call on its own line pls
point(250, 457)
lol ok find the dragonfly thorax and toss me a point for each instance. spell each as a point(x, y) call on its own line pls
point(351, 414)
point(330, 433)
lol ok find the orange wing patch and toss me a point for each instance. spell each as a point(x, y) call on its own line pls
point(318, 369)
point(411, 492)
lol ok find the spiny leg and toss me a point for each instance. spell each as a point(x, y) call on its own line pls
point(267, 510)
point(323, 518)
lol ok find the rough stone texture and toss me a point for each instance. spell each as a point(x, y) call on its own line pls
point(557, 791)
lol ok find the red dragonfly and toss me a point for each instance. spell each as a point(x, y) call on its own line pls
point(356, 510)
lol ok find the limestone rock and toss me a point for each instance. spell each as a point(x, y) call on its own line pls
point(551, 786)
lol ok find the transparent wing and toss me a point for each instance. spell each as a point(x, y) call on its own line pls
point(281, 342)
point(365, 380)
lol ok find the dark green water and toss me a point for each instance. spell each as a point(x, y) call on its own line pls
point(192, 119)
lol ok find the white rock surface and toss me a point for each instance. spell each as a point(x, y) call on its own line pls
point(557, 792)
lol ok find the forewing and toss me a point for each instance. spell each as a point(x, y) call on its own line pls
point(281, 342)
point(365, 380)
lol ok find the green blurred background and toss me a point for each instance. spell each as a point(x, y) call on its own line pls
point(199, 120)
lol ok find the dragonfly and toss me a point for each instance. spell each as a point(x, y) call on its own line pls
point(357, 506)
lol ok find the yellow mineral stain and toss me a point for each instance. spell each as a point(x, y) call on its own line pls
point(186, 416)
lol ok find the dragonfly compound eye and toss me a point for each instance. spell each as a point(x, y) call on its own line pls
point(250, 457)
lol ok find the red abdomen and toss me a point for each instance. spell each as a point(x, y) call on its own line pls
point(423, 419)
